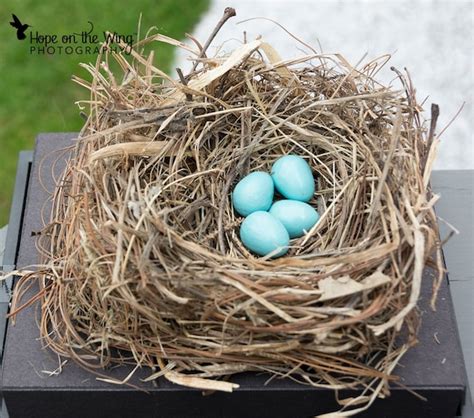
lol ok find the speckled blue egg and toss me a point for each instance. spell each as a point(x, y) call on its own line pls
point(293, 178)
point(297, 217)
point(254, 192)
point(262, 234)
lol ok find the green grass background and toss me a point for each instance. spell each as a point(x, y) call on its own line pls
point(36, 91)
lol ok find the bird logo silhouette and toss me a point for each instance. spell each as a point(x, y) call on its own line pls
point(20, 27)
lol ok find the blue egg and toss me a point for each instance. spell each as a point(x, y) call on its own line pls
point(262, 234)
point(297, 217)
point(254, 192)
point(293, 178)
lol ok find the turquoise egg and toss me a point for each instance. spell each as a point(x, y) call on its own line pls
point(293, 178)
point(262, 233)
point(254, 192)
point(297, 217)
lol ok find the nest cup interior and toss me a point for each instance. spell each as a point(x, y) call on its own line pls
point(204, 213)
point(143, 252)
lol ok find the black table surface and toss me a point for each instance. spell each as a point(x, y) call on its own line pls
point(436, 362)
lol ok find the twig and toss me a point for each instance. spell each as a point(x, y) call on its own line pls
point(431, 133)
point(183, 80)
point(228, 13)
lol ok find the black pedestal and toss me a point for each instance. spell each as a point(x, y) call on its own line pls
point(434, 368)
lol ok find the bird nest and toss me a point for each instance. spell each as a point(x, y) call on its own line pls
point(143, 263)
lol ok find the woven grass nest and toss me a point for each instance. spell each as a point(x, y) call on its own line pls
point(142, 261)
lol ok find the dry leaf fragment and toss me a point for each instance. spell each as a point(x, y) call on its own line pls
point(344, 286)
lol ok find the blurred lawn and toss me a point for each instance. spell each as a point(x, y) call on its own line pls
point(36, 91)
